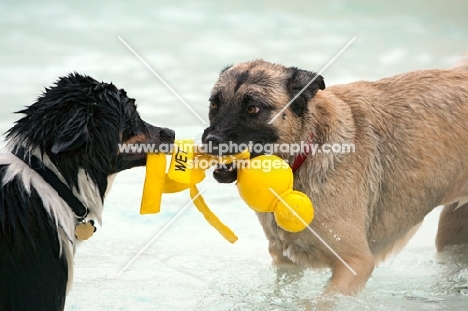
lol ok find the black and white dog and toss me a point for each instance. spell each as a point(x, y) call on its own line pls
point(59, 163)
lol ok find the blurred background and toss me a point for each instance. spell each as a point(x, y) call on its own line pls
point(187, 43)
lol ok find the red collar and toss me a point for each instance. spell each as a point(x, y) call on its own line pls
point(302, 156)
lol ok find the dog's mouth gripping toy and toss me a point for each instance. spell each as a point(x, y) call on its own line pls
point(265, 183)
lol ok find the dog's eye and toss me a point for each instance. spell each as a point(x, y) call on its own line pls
point(252, 109)
point(213, 105)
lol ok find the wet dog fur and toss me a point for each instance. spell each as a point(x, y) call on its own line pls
point(74, 128)
point(410, 133)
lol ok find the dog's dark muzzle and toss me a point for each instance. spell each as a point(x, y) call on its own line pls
point(133, 152)
point(159, 136)
point(217, 144)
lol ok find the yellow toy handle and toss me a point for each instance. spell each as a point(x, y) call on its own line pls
point(210, 217)
point(153, 186)
point(182, 175)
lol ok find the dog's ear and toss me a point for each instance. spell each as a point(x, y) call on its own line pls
point(298, 80)
point(74, 134)
point(225, 68)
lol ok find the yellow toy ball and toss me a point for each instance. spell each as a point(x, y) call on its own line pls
point(296, 214)
point(255, 180)
point(266, 186)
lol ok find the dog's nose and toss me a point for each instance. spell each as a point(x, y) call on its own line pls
point(214, 139)
point(167, 134)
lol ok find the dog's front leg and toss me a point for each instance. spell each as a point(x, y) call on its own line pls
point(275, 245)
point(347, 282)
point(344, 281)
point(453, 226)
point(278, 259)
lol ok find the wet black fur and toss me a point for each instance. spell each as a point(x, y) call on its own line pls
point(78, 123)
point(32, 274)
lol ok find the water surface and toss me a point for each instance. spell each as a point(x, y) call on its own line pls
point(187, 43)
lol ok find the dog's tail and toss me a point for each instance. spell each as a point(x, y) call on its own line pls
point(463, 63)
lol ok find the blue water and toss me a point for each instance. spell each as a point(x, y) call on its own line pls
point(187, 43)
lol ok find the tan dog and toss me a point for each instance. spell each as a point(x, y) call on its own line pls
point(410, 134)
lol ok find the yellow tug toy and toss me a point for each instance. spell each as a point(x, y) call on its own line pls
point(265, 188)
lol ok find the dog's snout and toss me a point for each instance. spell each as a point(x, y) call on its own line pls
point(214, 139)
point(167, 134)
